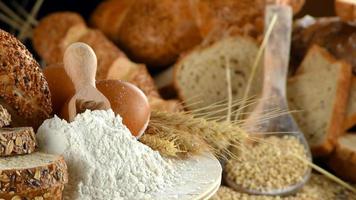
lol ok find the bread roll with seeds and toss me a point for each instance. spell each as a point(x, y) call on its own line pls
point(51, 193)
point(320, 92)
point(24, 91)
point(17, 141)
point(346, 10)
point(34, 171)
point(5, 117)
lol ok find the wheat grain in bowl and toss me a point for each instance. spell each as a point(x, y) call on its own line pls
point(271, 164)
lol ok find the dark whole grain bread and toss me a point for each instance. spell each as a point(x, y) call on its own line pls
point(319, 90)
point(5, 117)
point(24, 90)
point(50, 193)
point(337, 37)
point(17, 141)
point(35, 171)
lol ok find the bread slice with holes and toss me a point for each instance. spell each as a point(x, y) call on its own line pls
point(200, 76)
point(343, 160)
point(36, 171)
point(320, 92)
point(17, 141)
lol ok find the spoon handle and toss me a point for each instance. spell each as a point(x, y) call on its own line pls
point(80, 63)
point(276, 57)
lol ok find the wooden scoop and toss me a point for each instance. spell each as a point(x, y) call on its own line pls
point(80, 64)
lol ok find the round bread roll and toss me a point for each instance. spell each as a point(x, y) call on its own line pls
point(60, 85)
point(49, 34)
point(154, 32)
point(24, 90)
point(346, 10)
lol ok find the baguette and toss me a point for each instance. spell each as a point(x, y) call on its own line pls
point(320, 91)
point(50, 193)
point(343, 160)
point(17, 141)
point(34, 171)
point(5, 117)
point(24, 91)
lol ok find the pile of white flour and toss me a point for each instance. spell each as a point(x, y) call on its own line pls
point(104, 160)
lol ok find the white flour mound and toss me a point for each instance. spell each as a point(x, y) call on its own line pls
point(104, 160)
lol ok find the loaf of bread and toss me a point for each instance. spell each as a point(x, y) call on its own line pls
point(17, 141)
point(346, 10)
point(50, 193)
point(155, 32)
point(200, 76)
point(24, 91)
point(5, 117)
point(337, 37)
point(319, 90)
point(343, 160)
point(350, 119)
point(38, 171)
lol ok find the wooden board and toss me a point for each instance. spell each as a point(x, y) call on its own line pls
point(201, 178)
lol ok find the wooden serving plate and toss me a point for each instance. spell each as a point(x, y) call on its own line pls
point(201, 177)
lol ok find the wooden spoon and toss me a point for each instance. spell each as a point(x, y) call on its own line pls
point(80, 64)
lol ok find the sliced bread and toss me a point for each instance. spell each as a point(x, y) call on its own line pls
point(320, 91)
point(51, 193)
point(200, 76)
point(343, 161)
point(346, 10)
point(34, 171)
point(350, 120)
point(5, 117)
point(17, 141)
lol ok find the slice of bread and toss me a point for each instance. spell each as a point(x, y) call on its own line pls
point(343, 161)
point(346, 10)
point(200, 76)
point(320, 91)
point(34, 171)
point(51, 193)
point(5, 117)
point(17, 141)
point(350, 120)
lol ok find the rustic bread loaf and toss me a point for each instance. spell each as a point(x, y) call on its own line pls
point(151, 31)
point(49, 33)
point(17, 141)
point(5, 117)
point(343, 160)
point(320, 91)
point(346, 10)
point(34, 171)
point(337, 37)
point(23, 89)
point(50, 193)
point(200, 76)
point(350, 119)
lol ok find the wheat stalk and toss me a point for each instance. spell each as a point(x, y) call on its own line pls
point(164, 146)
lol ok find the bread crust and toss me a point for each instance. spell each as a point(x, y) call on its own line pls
point(343, 161)
point(346, 10)
point(17, 141)
point(24, 91)
point(51, 193)
point(49, 33)
point(21, 180)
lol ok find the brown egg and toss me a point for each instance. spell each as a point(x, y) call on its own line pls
point(128, 101)
point(60, 85)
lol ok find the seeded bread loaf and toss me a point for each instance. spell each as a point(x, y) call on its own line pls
point(346, 10)
point(23, 89)
point(38, 171)
point(200, 76)
point(337, 37)
point(5, 117)
point(343, 160)
point(350, 119)
point(17, 141)
point(320, 91)
point(51, 193)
